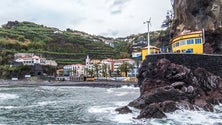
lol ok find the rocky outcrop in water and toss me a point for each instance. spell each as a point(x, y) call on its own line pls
point(124, 110)
point(166, 87)
point(198, 14)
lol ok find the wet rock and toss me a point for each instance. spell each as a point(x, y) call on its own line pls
point(208, 107)
point(190, 89)
point(168, 106)
point(163, 94)
point(178, 85)
point(206, 79)
point(123, 110)
point(184, 89)
point(139, 103)
point(152, 111)
point(214, 101)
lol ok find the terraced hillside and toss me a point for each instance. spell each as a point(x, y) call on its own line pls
point(66, 47)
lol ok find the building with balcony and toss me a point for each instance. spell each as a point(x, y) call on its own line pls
point(188, 42)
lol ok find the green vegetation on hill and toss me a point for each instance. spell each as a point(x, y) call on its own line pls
point(65, 47)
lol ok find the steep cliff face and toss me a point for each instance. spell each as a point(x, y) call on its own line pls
point(200, 14)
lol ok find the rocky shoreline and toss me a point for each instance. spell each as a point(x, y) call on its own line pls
point(103, 84)
point(166, 87)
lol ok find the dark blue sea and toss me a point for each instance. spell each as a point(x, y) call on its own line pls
point(85, 106)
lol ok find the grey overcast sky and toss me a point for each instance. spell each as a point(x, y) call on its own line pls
point(110, 18)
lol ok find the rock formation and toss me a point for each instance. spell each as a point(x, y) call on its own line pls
point(166, 87)
point(197, 15)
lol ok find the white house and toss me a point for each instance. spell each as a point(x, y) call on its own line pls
point(119, 62)
point(31, 59)
point(74, 70)
point(79, 69)
point(136, 54)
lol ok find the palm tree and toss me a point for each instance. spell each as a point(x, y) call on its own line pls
point(91, 72)
point(125, 67)
point(104, 70)
point(69, 72)
point(97, 68)
point(74, 72)
point(131, 66)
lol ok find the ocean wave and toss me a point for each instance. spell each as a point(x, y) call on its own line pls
point(7, 107)
point(122, 93)
point(6, 96)
point(129, 87)
point(195, 117)
point(101, 109)
point(44, 103)
point(110, 90)
point(120, 103)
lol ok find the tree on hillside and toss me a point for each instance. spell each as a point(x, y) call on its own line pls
point(124, 55)
point(124, 48)
point(166, 35)
point(169, 19)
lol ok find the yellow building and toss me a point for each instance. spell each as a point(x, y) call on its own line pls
point(153, 50)
point(188, 42)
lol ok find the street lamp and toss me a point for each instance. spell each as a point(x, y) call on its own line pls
point(148, 35)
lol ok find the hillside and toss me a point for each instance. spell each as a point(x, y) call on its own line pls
point(137, 41)
point(66, 47)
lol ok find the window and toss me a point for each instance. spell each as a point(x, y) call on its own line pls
point(190, 41)
point(182, 43)
point(183, 51)
point(177, 44)
point(189, 50)
point(198, 41)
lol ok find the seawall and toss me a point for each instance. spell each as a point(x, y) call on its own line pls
point(211, 62)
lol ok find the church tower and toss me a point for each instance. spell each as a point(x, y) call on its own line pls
point(87, 60)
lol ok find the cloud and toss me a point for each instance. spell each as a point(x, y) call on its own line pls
point(110, 31)
point(120, 2)
point(118, 5)
point(118, 11)
point(112, 18)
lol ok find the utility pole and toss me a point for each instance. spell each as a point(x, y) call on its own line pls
point(148, 34)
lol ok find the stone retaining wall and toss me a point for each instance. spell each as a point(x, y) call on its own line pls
point(211, 62)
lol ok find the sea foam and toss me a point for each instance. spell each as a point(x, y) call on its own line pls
point(6, 96)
